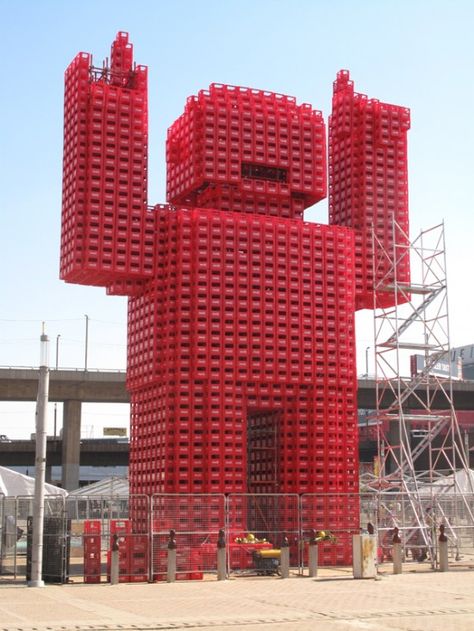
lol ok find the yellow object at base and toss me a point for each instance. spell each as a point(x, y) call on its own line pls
point(268, 554)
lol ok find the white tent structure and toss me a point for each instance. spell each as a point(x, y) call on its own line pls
point(458, 483)
point(13, 484)
point(106, 499)
point(108, 487)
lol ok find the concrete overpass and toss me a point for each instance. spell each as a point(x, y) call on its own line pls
point(74, 387)
point(93, 453)
point(87, 386)
point(102, 386)
point(463, 397)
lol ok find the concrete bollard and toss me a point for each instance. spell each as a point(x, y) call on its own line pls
point(285, 558)
point(313, 555)
point(396, 552)
point(397, 558)
point(443, 550)
point(114, 561)
point(221, 557)
point(171, 570)
point(364, 556)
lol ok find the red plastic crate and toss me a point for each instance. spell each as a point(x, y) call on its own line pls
point(92, 526)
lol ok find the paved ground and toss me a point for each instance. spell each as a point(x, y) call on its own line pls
point(414, 601)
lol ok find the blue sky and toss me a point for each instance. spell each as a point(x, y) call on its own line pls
point(416, 53)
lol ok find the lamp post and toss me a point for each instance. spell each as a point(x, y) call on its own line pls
point(36, 578)
point(57, 349)
point(86, 341)
point(55, 403)
point(367, 362)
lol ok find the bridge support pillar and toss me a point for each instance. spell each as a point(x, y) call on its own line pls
point(71, 447)
point(396, 441)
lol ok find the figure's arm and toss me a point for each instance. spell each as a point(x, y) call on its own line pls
point(107, 233)
point(368, 188)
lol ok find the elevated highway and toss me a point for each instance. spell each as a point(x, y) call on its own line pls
point(87, 386)
point(94, 452)
point(74, 387)
point(105, 386)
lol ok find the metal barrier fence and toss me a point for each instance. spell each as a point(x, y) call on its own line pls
point(255, 521)
point(196, 520)
point(80, 531)
point(16, 514)
point(418, 519)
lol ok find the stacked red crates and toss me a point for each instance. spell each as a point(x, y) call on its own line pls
point(107, 233)
point(92, 551)
point(252, 335)
point(368, 186)
point(251, 321)
point(138, 549)
point(241, 316)
point(122, 528)
point(247, 150)
point(133, 552)
point(197, 518)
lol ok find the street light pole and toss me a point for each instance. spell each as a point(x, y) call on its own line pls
point(87, 341)
point(57, 349)
point(36, 578)
point(367, 362)
point(55, 403)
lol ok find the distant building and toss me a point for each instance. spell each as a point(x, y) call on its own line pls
point(460, 364)
point(465, 354)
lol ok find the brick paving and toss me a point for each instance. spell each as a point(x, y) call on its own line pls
point(421, 601)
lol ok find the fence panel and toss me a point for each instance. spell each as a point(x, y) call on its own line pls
point(196, 520)
point(418, 517)
point(456, 512)
point(338, 513)
point(13, 540)
point(256, 521)
point(94, 522)
point(16, 544)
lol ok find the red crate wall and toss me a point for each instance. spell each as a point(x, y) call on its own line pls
point(248, 312)
point(230, 198)
point(255, 143)
point(107, 233)
point(132, 550)
point(368, 183)
point(151, 219)
point(337, 513)
point(74, 209)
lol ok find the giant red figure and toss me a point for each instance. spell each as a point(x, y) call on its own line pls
point(241, 352)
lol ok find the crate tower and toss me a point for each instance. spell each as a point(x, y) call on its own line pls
point(241, 349)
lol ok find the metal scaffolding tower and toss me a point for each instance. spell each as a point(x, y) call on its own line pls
point(416, 447)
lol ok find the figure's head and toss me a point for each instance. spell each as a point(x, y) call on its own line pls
point(241, 148)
